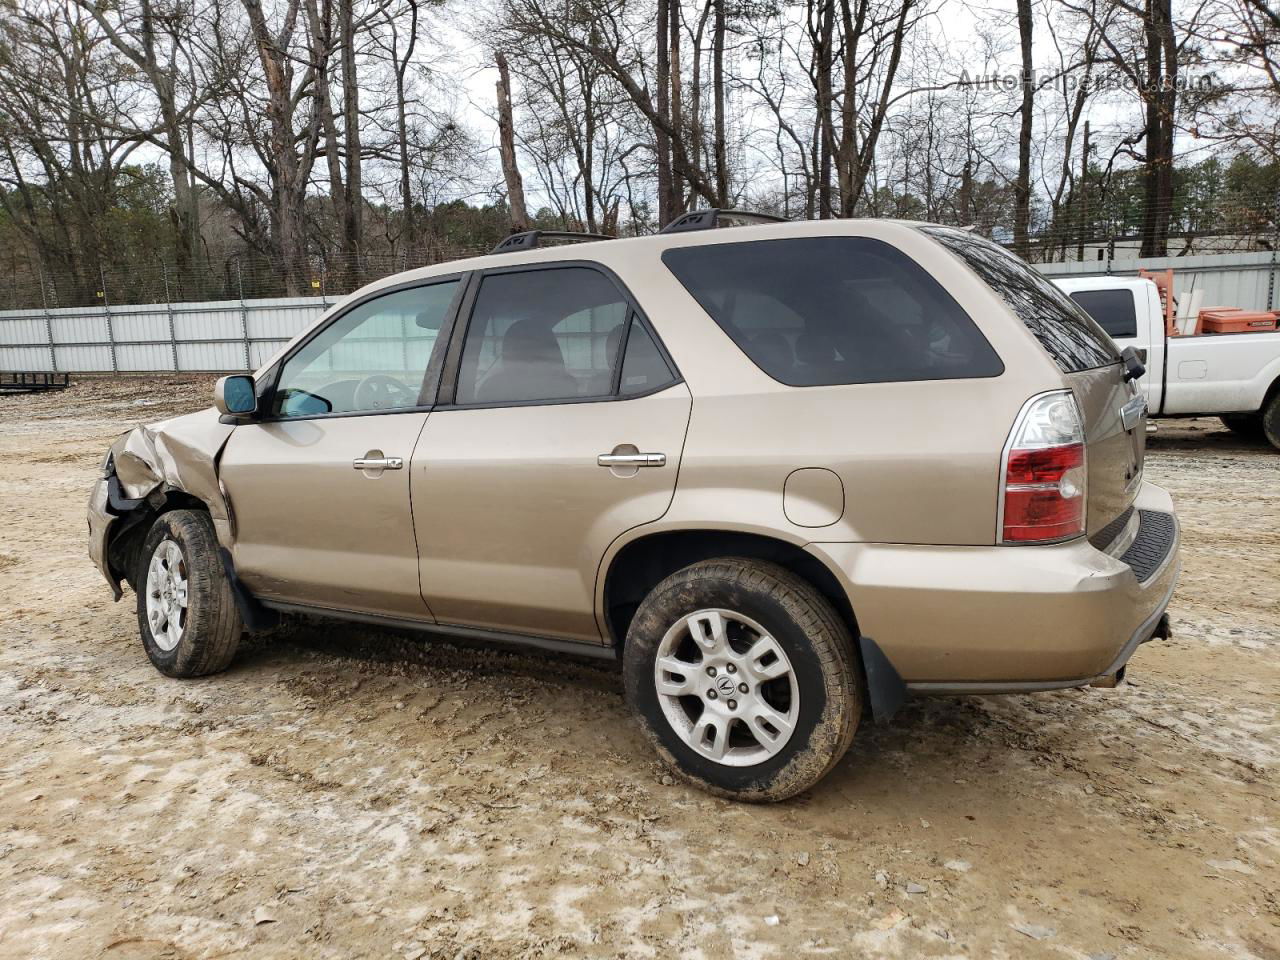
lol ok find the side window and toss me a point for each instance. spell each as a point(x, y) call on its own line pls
point(643, 368)
point(549, 334)
point(372, 358)
point(1113, 309)
point(818, 311)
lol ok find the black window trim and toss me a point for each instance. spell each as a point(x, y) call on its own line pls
point(427, 393)
point(857, 383)
point(448, 388)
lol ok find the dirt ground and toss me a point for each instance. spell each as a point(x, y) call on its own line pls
point(347, 793)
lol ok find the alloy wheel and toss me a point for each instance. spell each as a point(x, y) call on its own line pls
point(727, 687)
point(167, 594)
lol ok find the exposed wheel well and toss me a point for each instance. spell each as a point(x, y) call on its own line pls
point(643, 564)
point(122, 551)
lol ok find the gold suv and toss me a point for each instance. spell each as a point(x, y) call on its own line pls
point(783, 473)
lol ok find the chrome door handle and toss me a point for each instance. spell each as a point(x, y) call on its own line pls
point(378, 463)
point(632, 460)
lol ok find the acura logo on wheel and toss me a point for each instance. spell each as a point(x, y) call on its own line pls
point(725, 684)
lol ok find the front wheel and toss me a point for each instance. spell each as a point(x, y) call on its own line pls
point(743, 677)
point(187, 613)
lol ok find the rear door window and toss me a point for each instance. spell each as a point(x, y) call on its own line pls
point(1113, 309)
point(1068, 334)
point(542, 335)
point(815, 311)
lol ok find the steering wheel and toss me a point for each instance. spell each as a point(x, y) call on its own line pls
point(381, 392)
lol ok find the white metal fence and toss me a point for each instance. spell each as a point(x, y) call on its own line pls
point(1248, 280)
point(243, 334)
point(223, 335)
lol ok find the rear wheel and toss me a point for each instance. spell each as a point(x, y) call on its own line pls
point(187, 613)
point(1248, 425)
point(743, 677)
point(1271, 421)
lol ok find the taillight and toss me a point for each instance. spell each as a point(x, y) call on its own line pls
point(1043, 495)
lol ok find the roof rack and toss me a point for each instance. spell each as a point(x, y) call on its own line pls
point(710, 219)
point(532, 238)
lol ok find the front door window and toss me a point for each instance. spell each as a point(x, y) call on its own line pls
point(372, 359)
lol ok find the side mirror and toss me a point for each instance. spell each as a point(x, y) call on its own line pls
point(1133, 365)
point(235, 396)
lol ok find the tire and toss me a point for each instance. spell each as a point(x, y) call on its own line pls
point(756, 602)
point(205, 633)
point(1271, 421)
point(1247, 425)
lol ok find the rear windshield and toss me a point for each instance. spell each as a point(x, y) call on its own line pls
point(1113, 309)
point(815, 311)
point(1068, 333)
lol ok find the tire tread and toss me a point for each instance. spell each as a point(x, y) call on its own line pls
point(817, 619)
point(210, 643)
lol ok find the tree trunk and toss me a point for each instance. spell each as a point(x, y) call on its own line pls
point(402, 132)
point(661, 137)
point(320, 21)
point(507, 148)
point(1161, 102)
point(287, 186)
point(696, 149)
point(867, 153)
point(1022, 185)
point(1168, 112)
point(353, 225)
point(823, 57)
point(717, 84)
point(964, 201)
point(847, 151)
point(1083, 213)
point(677, 96)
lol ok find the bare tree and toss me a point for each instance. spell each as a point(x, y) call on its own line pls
point(507, 147)
point(288, 167)
point(157, 44)
point(1022, 184)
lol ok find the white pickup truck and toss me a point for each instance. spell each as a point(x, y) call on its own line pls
point(1235, 376)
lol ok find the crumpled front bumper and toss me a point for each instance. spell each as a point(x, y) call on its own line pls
point(150, 462)
point(100, 521)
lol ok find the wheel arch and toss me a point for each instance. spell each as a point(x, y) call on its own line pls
point(638, 565)
point(133, 526)
point(1270, 393)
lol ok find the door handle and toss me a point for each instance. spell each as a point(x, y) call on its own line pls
point(378, 463)
point(632, 460)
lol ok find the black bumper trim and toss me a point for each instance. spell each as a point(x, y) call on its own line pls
point(1150, 548)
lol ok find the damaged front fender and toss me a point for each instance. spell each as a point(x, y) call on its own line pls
point(146, 468)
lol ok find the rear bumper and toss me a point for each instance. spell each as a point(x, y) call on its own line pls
point(1010, 619)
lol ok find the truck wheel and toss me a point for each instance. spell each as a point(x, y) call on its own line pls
point(1271, 421)
point(743, 677)
point(1247, 425)
point(186, 611)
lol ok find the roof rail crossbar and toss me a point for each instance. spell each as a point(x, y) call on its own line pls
point(532, 238)
point(710, 219)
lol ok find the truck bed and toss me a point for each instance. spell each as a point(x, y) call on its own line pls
point(1219, 373)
